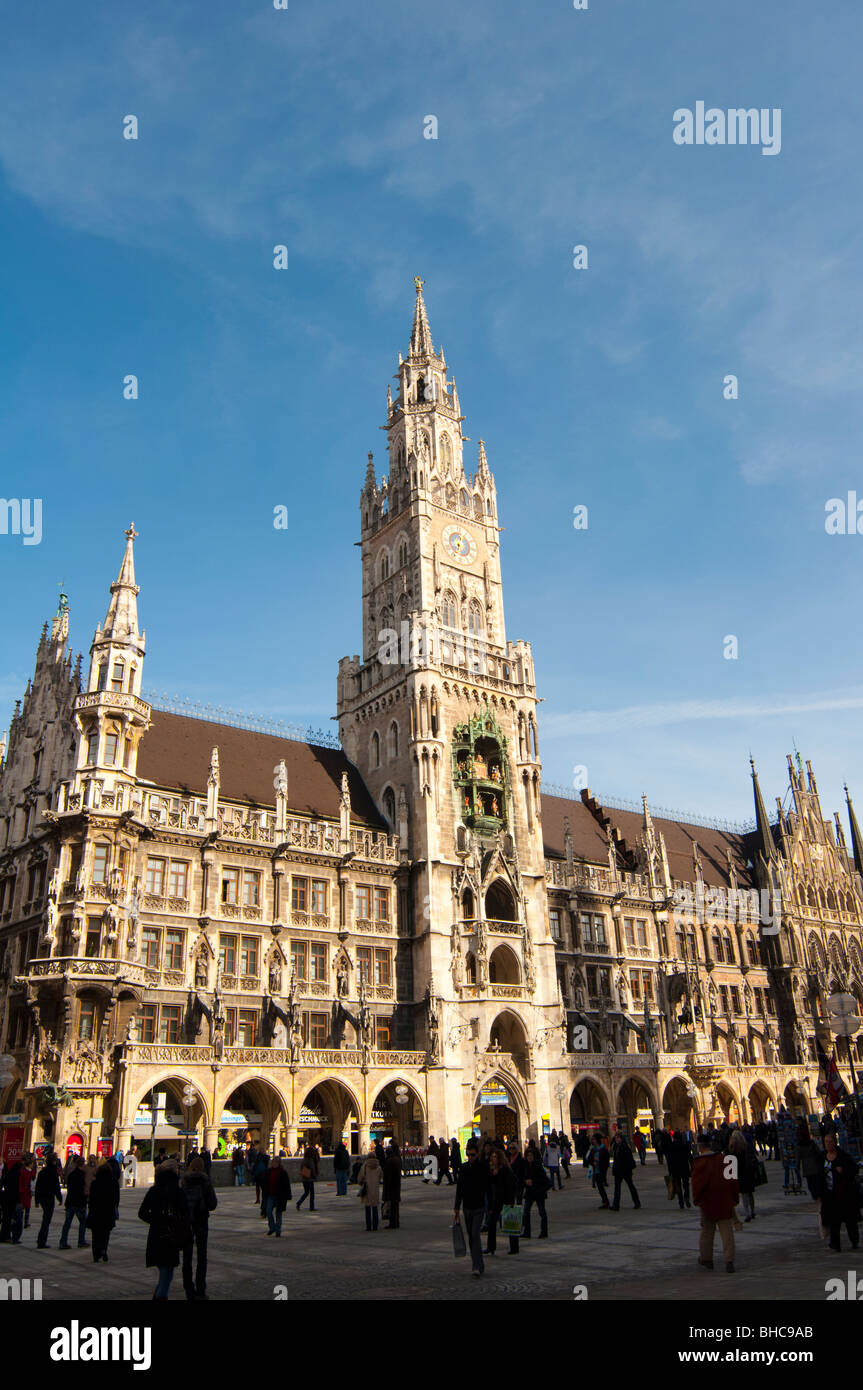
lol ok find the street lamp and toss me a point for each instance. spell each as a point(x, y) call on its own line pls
point(188, 1101)
point(846, 1022)
point(560, 1092)
point(402, 1098)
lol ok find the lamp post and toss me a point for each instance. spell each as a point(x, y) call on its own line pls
point(188, 1102)
point(846, 1022)
point(402, 1098)
point(560, 1092)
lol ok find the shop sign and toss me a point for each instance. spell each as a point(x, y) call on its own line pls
point(493, 1093)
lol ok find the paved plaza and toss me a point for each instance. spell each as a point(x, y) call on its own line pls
point(646, 1254)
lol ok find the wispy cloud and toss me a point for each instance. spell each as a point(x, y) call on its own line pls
point(686, 711)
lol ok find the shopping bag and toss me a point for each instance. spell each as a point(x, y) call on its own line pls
point(511, 1219)
point(459, 1245)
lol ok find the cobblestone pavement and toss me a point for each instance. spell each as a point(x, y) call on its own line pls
point(646, 1254)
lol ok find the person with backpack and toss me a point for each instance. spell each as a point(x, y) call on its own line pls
point(201, 1199)
point(165, 1209)
point(276, 1188)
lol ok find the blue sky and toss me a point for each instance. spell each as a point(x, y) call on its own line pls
point(602, 387)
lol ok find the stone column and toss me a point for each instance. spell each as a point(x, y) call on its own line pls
point(124, 1137)
point(292, 1139)
point(211, 1135)
point(365, 1136)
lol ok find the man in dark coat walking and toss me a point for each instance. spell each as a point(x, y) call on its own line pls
point(622, 1168)
point(443, 1163)
point(840, 1203)
point(201, 1200)
point(76, 1204)
point(166, 1211)
point(680, 1166)
point(46, 1193)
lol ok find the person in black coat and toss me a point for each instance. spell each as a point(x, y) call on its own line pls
point(201, 1199)
point(680, 1167)
point(503, 1194)
point(518, 1168)
point(392, 1184)
point(276, 1189)
point(455, 1156)
point(46, 1193)
point(622, 1168)
point(443, 1163)
point(102, 1210)
point(341, 1168)
point(12, 1222)
point(536, 1186)
point(840, 1202)
point(166, 1211)
point(76, 1204)
point(472, 1191)
point(433, 1151)
point(600, 1158)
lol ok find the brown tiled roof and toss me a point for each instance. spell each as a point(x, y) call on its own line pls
point(679, 838)
point(175, 753)
point(588, 840)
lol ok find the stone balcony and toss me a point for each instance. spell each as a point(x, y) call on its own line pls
point(190, 1054)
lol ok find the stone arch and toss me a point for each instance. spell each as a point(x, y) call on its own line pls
point(411, 1126)
point(340, 1102)
point(500, 902)
point(509, 1031)
point(679, 1110)
point(503, 966)
point(794, 1097)
point(728, 1102)
point(589, 1104)
point(634, 1094)
point(762, 1102)
point(509, 1119)
point(266, 1099)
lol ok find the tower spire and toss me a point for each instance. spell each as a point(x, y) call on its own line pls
point(765, 839)
point(856, 838)
point(421, 340)
point(121, 621)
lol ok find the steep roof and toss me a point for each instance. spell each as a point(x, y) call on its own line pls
point(175, 753)
point(588, 840)
point(680, 836)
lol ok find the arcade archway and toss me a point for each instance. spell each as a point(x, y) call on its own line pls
point(761, 1103)
point(162, 1117)
point(499, 1109)
point(329, 1113)
point(678, 1107)
point(634, 1102)
point(254, 1110)
point(589, 1108)
point(398, 1113)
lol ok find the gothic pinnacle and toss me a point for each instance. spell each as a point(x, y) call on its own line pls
point(421, 340)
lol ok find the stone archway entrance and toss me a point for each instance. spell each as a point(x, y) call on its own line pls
point(761, 1103)
point(498, 1109)
point(634, 1102)
point(398, 1113)
point(677, 1106)
point(588, 1107)
point(254, 1110)
point(328, 1113)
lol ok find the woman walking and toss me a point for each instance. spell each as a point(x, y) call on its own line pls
point(102, 1210)
point(503, 1194)
point(308, 1174)
point(370, 1190)
point(166, 1212)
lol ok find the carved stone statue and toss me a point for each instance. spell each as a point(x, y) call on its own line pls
point(740, 1052)
point(342, 980)
point(433, 1018)
point(802, 1043)
point(622, 989)
point(201, 971)
point(346, 792)
point(275, 975)
point(296, 1043)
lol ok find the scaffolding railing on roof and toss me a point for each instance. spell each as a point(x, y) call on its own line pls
point(238, 719)
point(621, 803)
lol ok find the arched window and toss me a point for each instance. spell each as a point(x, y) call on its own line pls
point(390, 806)
point(394, 740)
point(464, 499)
point(449, 610)
point(445, 452)
point(488, 506)
point(450, 496)
point(403, 554)
point(474, 619)
point(385, 564)
point(477, 508)
point(376, 750)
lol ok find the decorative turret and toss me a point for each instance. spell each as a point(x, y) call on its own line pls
point(111, 716)
point(856, 838)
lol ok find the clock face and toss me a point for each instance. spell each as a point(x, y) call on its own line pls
point(459, 544)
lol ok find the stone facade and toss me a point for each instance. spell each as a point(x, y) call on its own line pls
point(394, 934)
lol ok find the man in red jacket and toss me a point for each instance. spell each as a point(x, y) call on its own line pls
point(716, 1191)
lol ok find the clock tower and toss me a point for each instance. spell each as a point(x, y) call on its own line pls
point(440, 718)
